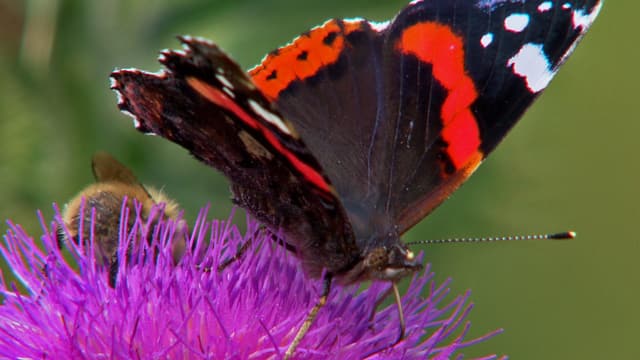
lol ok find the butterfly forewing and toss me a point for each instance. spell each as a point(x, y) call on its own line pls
point(404, 112)
point(334, 106)
point(510, 51)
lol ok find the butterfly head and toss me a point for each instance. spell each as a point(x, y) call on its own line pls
point(385, 262)
point(390, 263)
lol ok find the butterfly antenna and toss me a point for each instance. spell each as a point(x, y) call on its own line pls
point(557, 236)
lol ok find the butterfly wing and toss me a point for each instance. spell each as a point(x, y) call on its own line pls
point(208, 105)
point(403, 112)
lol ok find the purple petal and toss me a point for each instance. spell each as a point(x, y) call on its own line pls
point(250, 310)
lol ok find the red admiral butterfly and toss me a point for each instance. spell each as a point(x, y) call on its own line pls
point(347, 137)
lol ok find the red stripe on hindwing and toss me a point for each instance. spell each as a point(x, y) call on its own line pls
point(436, 44)
point(224, 101)
point(221, 99)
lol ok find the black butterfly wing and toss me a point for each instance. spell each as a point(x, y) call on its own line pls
point(327, 83)
point(403, 112)
point(208, 105)
point(509, 52)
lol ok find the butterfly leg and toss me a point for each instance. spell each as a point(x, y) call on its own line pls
point(243, 248)
point(379, 302)
point(310, 317)
point(396, 295)
point(238, 255)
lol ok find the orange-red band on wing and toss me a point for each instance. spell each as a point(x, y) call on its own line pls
point(221, 99)
point(303, 58)
point(437, 45)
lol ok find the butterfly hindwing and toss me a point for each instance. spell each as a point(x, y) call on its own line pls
point(207, 104)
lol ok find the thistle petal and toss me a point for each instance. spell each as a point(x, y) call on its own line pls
point(250, 310)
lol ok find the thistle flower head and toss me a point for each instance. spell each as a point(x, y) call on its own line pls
point(249, 310)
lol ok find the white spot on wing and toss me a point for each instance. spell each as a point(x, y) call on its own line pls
point(566, 6)
point(269, 116)
point(136, 122)
point(516, 22)
point(580, 19)
point(486, 39)
point(545, 6)
point(229, 92)
point(224, 81)
point(379, 26)
point(182, 53)
point(189, 38)
point(120, 97)
point(353, 20)
point(583, 19)
point(115, 85)
point(532, 64)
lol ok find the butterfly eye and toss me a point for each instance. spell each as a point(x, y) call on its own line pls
point(410, 255)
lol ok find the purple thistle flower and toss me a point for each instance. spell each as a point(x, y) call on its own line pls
point(250, 310)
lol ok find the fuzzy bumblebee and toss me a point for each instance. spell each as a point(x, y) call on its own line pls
point(100, 206)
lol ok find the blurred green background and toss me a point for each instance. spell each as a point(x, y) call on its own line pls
point(571, 163)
